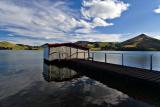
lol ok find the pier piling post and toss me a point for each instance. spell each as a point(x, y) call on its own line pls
point(151, 62)
point(122, 60)
point(77, 54)
point(70, 52)
point(59, 56)
point(92, 56)
point(105, 57)
point(88, 54)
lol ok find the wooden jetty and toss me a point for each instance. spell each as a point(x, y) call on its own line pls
point(136, 74)
point(81, 59)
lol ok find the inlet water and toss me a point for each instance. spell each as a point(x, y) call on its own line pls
point(25, 81)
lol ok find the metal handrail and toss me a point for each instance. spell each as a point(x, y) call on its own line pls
point(93, 56)
point(124, 53)
point(122, 58)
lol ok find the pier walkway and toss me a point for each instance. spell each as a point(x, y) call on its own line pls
point(136, 73)
point(130, 73)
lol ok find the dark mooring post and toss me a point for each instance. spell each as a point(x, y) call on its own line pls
point(105, 57)
point(70, 52)
point(122, 59)
point(88, 54)
point(92, 56)
point(77, 54)
point(151, 62)
point(59, 56)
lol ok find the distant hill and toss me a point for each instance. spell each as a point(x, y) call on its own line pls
point(139, 43)
point(11, 46)
point(82, 43)
point(97, 46)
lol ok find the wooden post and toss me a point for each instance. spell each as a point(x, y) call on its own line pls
point(84, 55)
point(105, 57)
point(122, 60)
point(48, 53)
point(151, 62)
point(88, 54)
point(70, 52)
point(92, 56)
point(77, 54)
point(59, 56)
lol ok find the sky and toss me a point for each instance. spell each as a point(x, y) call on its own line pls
point(35, 22)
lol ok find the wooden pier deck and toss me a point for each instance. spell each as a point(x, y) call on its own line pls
point(137, 74)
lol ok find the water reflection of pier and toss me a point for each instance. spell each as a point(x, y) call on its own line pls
point(58, 74)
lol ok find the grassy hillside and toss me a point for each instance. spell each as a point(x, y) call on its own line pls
point(103, 46)
point(97, 46)
point(12, 46)
point(139, 43)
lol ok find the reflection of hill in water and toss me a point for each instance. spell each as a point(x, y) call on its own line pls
point(54, 73)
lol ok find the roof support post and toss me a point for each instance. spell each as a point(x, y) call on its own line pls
point(105, 57)
point(77, 54)
point(59, 56)
point(151, 62)
point(88, 54)
point(70, 52)
point(92, 56)
point(48, 53)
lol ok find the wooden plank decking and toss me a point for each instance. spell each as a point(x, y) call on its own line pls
point(152, 77)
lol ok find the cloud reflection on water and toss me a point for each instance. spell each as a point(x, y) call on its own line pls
point(26, 87)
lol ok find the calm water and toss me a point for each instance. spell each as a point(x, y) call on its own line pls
point(25, 81)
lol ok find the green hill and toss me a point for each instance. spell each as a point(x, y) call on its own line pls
point(11, 46)
point(141, 42)
point(97, 46)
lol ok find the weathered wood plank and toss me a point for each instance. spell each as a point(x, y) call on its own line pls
point(144, 74)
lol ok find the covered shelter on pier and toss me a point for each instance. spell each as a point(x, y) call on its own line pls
point(65, 51)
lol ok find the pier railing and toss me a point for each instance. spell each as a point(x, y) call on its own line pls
point(122, 58)
point(140, 61)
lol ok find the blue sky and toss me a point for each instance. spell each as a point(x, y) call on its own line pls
point(36, 22)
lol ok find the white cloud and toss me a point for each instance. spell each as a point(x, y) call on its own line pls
point(40, 20)
point(56, 20)
point(83, 30)
point(157, 10)
point(11, 35)
point(93, 37)
point(100, 22)
point(84, 24)
point(98, 11)
point(104, 9)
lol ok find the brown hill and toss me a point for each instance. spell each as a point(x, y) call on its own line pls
point(141, 42)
